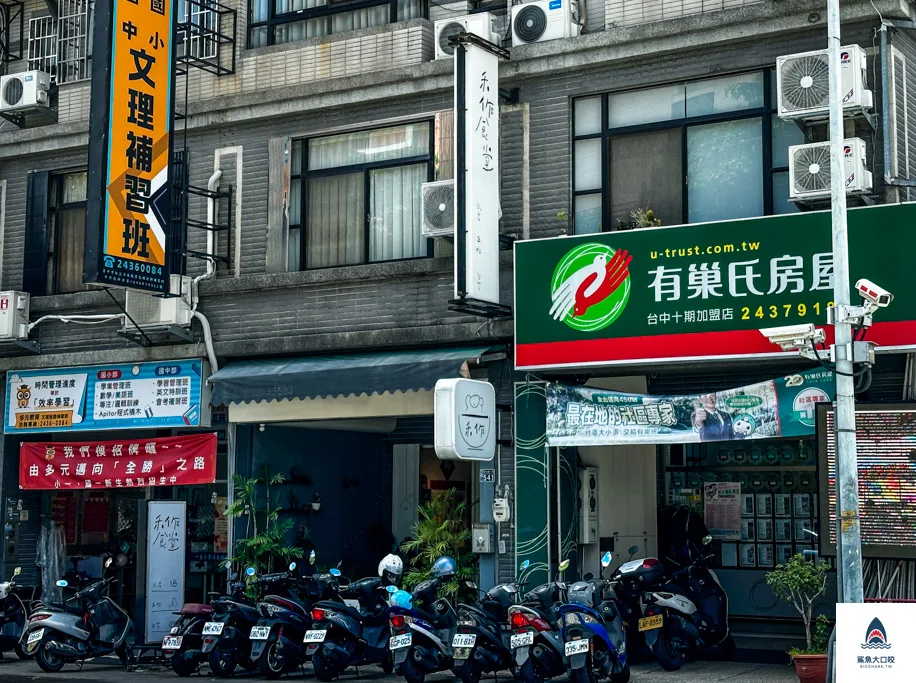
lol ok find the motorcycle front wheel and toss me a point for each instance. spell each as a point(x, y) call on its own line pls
point(622, 676)
point(583, 675)
point(387, 664)
point(181, 666)
point(667, 654)
point(48, 661)
point(22, 654)
point(411, 672)
point(222, 661)
point(531, 672)
point(468, 672)
point(272, 663)
point(324, 668)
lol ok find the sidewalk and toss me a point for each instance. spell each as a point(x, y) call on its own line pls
point(110, 671)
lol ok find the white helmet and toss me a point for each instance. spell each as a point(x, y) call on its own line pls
point(391, 568)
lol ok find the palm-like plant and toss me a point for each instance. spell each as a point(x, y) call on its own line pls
point(266, 534)
point(440, 531)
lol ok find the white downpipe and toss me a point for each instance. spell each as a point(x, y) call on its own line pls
point(212, 186)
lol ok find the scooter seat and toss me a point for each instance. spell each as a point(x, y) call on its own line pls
point(196, 609)
point(63, 607)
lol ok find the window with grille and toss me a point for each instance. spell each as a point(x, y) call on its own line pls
point(74, 38)
point(43, 44)
point(198, 29)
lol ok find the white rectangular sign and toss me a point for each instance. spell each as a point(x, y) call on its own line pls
point(464, 419)
point(874, 642)
point(480, 174)
point(165, 564)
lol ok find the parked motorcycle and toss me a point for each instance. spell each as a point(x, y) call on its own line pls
point(481, 643)
point(185, 638)
point(13, 617)
point(355, 632)
point(688, 612)
point(420, 636)
point(631, 581)
point(593, 634)
point(226, 644)
point(536, 640)
point(86, 625)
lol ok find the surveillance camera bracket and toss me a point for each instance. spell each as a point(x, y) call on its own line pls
point(853, 315)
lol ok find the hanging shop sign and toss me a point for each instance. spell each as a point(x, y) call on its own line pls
point(127, 463)
point(128, 219)
point(705, 290)
point(139, 396)
point(783, 407)
point(465, 419)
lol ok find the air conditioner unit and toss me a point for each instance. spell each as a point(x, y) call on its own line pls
point(149, 311)
point(14, 316)
point(534, 22)
point(439, 209)
point(482, 24)
point(803, 84)
point(809, 170)
point(588, 505)
point(23, 91)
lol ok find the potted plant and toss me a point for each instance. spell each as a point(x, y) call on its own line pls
point(800, 582)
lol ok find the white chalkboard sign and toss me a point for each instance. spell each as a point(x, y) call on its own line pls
point(165, 564)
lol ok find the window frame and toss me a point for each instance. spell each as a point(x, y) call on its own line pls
point(766, 114)
point(333, 7)
point(56, 205)
point(366, 169)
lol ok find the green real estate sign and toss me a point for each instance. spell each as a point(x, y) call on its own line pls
point(783, 407)
point(704, 290)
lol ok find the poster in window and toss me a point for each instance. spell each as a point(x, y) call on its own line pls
point(747, 504)
point(802, 526)
point(783, 530)
point(764, 505)
point(802, 505)
point(747, 530)
point(783, 553)
point(729, 554)
point(783, 504)
point(748, 555)
point(765, 555)
point(764, 529)
point(722, 513)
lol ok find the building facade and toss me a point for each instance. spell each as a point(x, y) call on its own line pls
point(324, 121)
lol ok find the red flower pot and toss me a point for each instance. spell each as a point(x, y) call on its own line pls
point(811, 668)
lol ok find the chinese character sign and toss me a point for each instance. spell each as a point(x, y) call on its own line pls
point(135, 214)
point(139, 396)
point(477, 92)
point(704, 290)
point(783, 407)
point(129, 463)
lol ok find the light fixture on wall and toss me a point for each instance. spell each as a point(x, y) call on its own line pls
point(261, 427)
point(316, 502)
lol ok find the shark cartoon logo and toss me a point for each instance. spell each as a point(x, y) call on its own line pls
point(876, 636)
point(590, 286)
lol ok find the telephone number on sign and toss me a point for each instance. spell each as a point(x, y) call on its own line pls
point(784, 311)
point(139, 267)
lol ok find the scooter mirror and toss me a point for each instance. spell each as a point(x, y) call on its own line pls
point(391, 589)
point(471, 585)
point(633, 549)
point(564, 565)
point(707, 540)
point(62, 583)
point(233, 576)
point(312, 557)
point(292, 566)
point(524, 565)
point(108, 562)
point(17, 571)
point(606, 559)
point(249, 571)
point(335, 572)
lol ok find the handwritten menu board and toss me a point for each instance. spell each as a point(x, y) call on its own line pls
point(166, 548)
point(886, 457)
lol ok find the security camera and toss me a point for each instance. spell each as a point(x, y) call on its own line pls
point(873, 294)
point(791, 337)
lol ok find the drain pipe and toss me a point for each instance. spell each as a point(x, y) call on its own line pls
point(212, 186)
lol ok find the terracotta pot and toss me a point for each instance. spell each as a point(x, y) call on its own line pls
point(811, 668)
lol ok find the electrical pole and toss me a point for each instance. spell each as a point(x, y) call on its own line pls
point(849, 542)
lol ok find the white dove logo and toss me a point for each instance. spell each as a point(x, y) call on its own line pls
point(590, 286)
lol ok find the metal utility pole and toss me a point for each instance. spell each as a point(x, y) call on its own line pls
point(849, 542)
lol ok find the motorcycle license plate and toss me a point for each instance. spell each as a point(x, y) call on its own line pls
point(35, 636)
point(576, 647)
point(314, 636)
point(171, 642)
point(213, 628)
point(398, 642)
point(650, 623)
point(464, 640)
point(521, 640)
point(259, 632)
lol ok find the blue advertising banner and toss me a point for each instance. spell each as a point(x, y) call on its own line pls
point(79, 399)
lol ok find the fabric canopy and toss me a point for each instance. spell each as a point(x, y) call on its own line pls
point(320, 376)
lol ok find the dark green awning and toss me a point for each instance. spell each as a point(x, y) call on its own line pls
point(320, 376)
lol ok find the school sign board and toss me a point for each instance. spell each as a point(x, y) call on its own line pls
point(703, 291)
point(128, 218)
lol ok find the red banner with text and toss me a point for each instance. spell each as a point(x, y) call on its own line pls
point(128, 463)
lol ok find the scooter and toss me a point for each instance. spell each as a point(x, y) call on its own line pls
point(226, 644)
point(420, 637)
point(89, 624)
point(185, 638)
point(595, 641)
point(536, 640)
point(481, 644)
point(352, 632)
point(688, 612)
point(631, 581)
point(13, 617)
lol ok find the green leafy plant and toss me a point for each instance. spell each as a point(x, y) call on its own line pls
point(800, 582)
point(265, 542)
point(440, 530)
